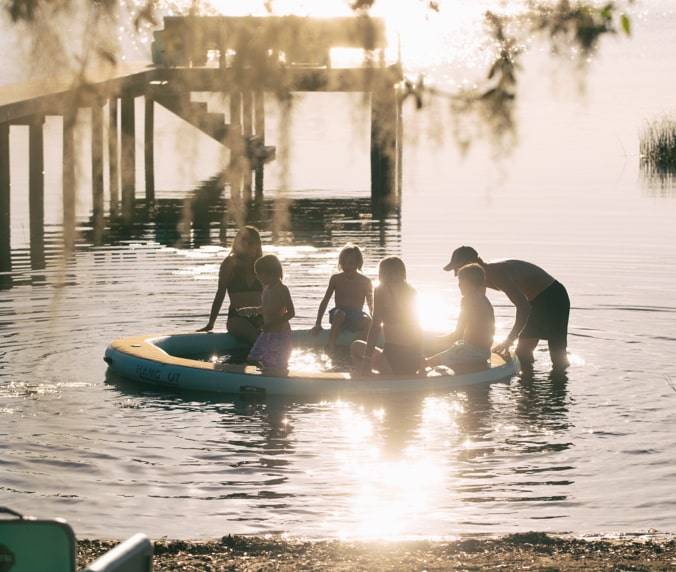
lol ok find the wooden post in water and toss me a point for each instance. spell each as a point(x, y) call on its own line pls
point(247, 130)
point(36, 191)
point(97, 171)
point(5, 240)
point(259, 118)
point(69, 119)
point(383, 143)
point(113, 151)
point(400, 144)
point(235, 144)
point(149, 147)
point(128, 157)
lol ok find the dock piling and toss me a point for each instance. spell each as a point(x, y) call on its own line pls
point(97, 171)
point(36, 191)
point(247, 130)
point(113, 152)
point(236, 147)
point(149, 147)
point(5, 240)
point(259, 118)
point(384, 130)
point(69, 119)
point(128, 157)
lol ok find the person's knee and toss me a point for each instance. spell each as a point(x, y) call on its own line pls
point(242, 329)
point(357, 349)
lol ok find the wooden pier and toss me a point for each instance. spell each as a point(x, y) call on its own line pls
point(252, 56)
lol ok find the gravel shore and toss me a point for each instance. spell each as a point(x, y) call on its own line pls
point(529, 551)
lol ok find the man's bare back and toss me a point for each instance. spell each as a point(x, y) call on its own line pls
point(530, 279)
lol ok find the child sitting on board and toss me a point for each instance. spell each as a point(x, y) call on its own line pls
point(351, 289)
point(470, 343)
point(273, 346)
point(394, 311)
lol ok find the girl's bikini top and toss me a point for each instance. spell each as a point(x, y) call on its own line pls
point(239, 282)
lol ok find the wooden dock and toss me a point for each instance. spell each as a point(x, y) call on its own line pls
point(254, 56)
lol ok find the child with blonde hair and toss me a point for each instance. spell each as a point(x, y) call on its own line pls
point(273, 346)
point(470, 343)
point(351, 289)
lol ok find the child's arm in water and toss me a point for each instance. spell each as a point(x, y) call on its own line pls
point(323, 304)
point(277, 307)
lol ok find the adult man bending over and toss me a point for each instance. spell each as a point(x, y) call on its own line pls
point(542, 304)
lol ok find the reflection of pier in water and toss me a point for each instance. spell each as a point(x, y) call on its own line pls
point(213, 220)
point(255, 55)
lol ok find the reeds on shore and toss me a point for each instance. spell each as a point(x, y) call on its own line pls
point(658, 146)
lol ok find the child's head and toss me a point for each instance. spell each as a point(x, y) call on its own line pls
point(392, 270)
point(350, 258)
point(268, 268)
point(471, 278)
point(247, 243)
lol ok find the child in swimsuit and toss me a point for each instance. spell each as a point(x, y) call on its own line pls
point(273, 346)
point(470, 343)
point(351, 289)
point(394, 310)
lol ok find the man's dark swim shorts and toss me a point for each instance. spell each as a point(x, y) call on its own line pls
point(548, 319)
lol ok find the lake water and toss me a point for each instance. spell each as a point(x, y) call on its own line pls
point(591, 452)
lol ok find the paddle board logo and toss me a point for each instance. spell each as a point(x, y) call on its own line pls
point(7, 559)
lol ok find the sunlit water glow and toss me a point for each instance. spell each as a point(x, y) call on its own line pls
point(592, 451)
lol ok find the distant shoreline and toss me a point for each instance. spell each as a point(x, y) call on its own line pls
point(532, 550)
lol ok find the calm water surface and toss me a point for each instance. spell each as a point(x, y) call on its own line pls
point(590, 452)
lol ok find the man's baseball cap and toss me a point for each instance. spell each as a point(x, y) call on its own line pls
point(461, 256)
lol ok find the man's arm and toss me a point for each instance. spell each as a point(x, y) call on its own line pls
point(516, 296)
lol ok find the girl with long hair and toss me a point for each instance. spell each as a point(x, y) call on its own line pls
point(238, 279)
point(394, 311)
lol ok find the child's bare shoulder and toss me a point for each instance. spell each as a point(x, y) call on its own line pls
point(365, 279)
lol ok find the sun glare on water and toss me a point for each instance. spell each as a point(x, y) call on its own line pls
point(396, 484)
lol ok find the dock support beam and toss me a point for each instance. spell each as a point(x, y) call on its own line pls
point(97, 171)
point(36, 191)
point(113, 152)
point(149, 148)
point(384, 131)
point(247, 130)
point(69, 119)
point(259, 118)
point(128, 157)
point(235, 140)
point(5, 241)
